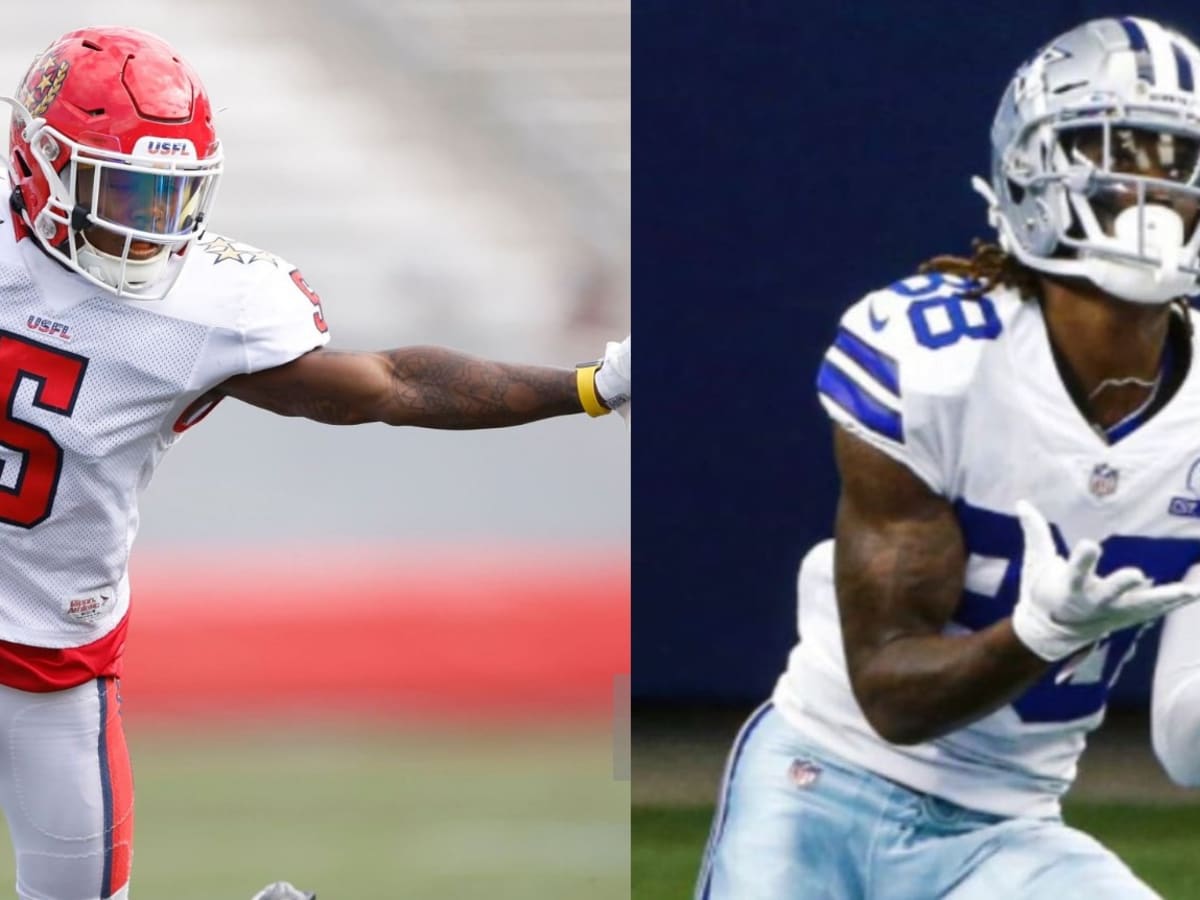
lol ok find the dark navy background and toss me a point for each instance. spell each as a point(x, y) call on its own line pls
point(788, 157)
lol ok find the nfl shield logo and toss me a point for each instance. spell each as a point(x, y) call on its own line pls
point(1103, 481)
point(803, 773)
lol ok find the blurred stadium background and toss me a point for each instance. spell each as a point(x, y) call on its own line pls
point(381, 663)
point(792, 157)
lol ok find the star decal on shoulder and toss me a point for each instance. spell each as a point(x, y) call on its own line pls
point(223, 249)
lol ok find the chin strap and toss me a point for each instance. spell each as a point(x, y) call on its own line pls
point(1008, 242)
point(983, 189)
point(31, 125)
point(997, 221)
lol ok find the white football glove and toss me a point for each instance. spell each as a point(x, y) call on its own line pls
point(613, 377)
point(1065, 606)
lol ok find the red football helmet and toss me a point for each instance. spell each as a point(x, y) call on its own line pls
point(114, 160)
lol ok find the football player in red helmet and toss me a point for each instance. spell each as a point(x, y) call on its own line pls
point(117, 333)
point(114, 159)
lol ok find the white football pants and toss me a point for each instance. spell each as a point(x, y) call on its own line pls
point(67, 791)
point(798, 823)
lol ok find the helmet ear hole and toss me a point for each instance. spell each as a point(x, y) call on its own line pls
point(1075, 227)
point(1040, 231)
point(26, 172)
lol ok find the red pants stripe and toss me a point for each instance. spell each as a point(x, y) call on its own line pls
point(116, 780)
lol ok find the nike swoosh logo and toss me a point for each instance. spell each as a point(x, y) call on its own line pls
point(877, 323)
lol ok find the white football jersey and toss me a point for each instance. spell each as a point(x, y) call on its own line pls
point(93, 390)
point(966, 394)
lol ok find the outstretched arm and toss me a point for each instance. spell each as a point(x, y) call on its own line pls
point(432, 387)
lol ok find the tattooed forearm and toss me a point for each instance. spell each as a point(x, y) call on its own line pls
point(439, 388)
point(427, 386)
point(330, 410)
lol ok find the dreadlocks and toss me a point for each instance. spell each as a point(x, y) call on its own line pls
point(988, 267)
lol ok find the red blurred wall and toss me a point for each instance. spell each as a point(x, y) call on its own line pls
point(434, 632)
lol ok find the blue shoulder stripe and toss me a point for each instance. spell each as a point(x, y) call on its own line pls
point(878, 364)
point(850, 396)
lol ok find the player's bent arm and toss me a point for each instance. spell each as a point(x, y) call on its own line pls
point(899, 568)
point(1175, 703)
point(432, 387)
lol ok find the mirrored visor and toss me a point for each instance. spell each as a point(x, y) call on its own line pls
point(164, 204)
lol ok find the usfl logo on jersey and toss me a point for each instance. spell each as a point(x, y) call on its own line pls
point(1188, 506)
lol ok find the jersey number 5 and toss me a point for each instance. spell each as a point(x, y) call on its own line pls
point(56, 377)
point(319, 314)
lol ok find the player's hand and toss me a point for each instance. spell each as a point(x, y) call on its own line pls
point(613, 377)
point(1064, 605)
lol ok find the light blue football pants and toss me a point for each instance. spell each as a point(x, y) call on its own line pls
point(795, 823)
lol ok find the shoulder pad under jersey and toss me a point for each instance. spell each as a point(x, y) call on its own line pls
point(904, 356)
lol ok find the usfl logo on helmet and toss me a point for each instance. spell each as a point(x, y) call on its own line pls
point(42, 83)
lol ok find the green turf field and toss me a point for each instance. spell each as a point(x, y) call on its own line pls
point(378, 816)
point(1158, 842)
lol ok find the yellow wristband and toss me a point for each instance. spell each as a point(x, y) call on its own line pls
point(585, 383)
